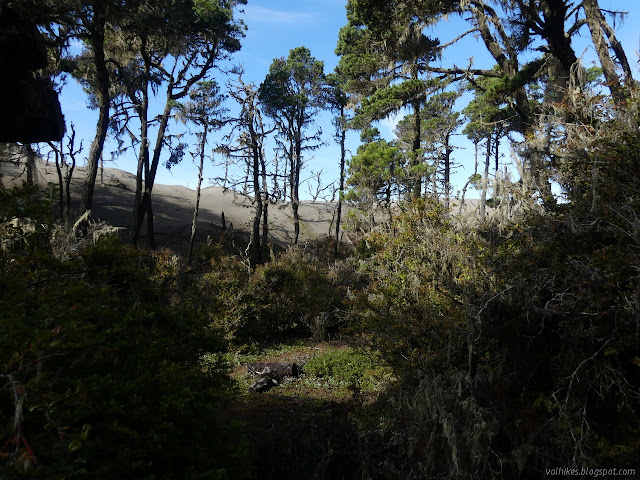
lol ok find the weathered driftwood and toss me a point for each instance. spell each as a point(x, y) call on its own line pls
point(270, 374)
point(274, 369)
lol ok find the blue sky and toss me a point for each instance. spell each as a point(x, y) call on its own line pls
point(275, 27)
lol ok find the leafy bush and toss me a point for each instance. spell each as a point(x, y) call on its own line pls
point(101, 371)
point(523, 336)
point(24, 219)
point(419, 270)
point(286, 297)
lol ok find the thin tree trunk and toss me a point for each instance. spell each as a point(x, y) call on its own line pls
point(65, 182)
point(104, 100)
point(498, 183)
point(57, 155)
point(415, 149)
point(616, 46)
point(149, 213)
point(265, 202)
point(447, 173)
point(67, 179)
point(30, 164)
point(464, 192)
point(286, 179)
point(194, 222)
point(296, 217)
point(150, 175)
point(245, 183)
point(257, 197)
point(475, 165)
point(475, 172)
point(343, 135)
point(485, 180)
point(276, 183)
point(143, 154)
point(226, 173)
point(296, 166)
point(434, 177)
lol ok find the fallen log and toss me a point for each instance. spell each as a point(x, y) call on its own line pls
point(275, 369)
point(270, 374)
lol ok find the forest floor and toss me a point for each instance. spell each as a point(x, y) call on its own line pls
point(302, 427)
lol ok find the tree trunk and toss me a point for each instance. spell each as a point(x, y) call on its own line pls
point(58, 153)
point(265, 202)
point(554, 32)
point(498, 183)
point(616, 46)
point(30, 164)
point(415, 149)
point(104, 100)
point(594, 21)
point(194, 222)
point(276, 182)
point(67, 179)
point(150, 176)
point(485, 180)
point(143, 154)
point(434, 177)
point(464, 192)
point(343, 135)
point(447, 173)
point(257, 198)
point(296, 166)
point(507, 61)
point(296, 219)
point(245, 183)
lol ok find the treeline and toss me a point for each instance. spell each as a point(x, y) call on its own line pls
point(136, 54)
point(141, 54)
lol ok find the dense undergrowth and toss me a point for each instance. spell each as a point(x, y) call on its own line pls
point(507, 349)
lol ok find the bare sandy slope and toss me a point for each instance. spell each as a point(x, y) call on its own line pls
point(173, 206)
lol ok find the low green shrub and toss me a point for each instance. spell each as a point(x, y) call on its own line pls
point(347, 366)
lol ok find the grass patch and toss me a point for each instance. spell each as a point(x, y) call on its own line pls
point(350, 368)
point(332, 371)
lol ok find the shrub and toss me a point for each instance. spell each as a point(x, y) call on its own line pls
point(419, 271)
point(286, 297)
point(349, 367)
point(24, 220)
point(101, 368)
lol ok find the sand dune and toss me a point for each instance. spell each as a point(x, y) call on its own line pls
point(173, 206)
